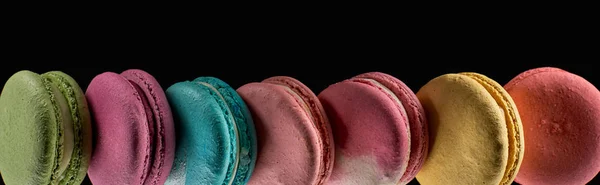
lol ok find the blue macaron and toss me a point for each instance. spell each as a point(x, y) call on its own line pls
point(216, 138)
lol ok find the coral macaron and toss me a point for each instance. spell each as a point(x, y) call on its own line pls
point(295, 145)
point(561, 123)
point(134, 140)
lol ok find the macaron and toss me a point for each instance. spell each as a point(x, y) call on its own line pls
point(475, 133)
point(561, 124)
point(134, 134)
point(379, 128)
point(45, 131)
point(216, 138)
point(295, 145)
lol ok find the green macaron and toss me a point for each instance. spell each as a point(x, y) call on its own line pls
point(45, 131)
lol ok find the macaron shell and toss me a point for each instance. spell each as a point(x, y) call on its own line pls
point(419, 136)
point(206, 147)
point(245, 127)
point(122, 136)
point(29, 133)
point(561, 123)
point(65, 130)
point(468, 134)
point(320, 121)
point(164, 128)
point(288, 147)
point(82, 128)
point(513, 125)
point(370, 131)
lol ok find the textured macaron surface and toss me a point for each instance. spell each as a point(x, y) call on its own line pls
point(290, 149)
point(82, 128)
point(163, 152)
point(560, 112)
point(371, 133)
point(29, 131)
point(319, 119)
point(468, 133)
point(514, 126)
point(45, 136)
point(207, 149)
point(419, 137)
point(246, 132)
point(122, 126)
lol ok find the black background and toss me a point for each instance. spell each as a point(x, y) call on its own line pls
point(319, 53)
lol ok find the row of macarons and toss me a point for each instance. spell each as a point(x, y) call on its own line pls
point(543, 127)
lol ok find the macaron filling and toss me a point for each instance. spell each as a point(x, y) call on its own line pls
point(73, 174)
point(390, 94)
point(511, 123)
point(299, 99)
point(64, 117)
point(311, 107)
point(150, 159)
point(395, 98)
point(230, 113)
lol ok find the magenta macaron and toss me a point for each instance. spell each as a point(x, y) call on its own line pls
point(379, 128)
point(134, 137)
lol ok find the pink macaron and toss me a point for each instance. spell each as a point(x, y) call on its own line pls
point(560, 112)
point(134, 137)
point(295, 145)
point(379, 128)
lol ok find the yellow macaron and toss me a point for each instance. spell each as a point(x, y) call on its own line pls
point(476, 135)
